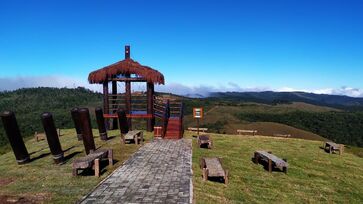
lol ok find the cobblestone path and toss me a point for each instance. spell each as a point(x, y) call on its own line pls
point(159, 172)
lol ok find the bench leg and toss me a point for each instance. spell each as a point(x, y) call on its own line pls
point(284, 169)
point(269, 165)
point(136, 139)
point(226, 177)
point(74, 172)
point(256, 158)
point(110, 157)
point(123, 139)
point(205, 174)
point(142, 138)
point(97, 167)
point(341, 149)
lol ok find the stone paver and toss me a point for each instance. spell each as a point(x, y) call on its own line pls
point(159, 172)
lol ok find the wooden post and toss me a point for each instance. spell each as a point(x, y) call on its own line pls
point(256, 158)
point(198, 126)
point(97, 167)
point(16, 141)
point(101, 124)
point(52, 137)
point(110, 157)
point(205, 174)
point(123, 123)
point(88, 141)
point(106, 108)
point(128, 99)
point(114, 93)
point(150, 106)
point(77, 123)
point(269, 165)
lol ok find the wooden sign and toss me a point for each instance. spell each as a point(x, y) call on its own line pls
point(198, 112)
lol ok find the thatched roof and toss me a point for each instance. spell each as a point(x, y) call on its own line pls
point(127, 66)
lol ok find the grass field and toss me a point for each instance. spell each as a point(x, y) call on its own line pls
point(313, 175)
point(42, 181)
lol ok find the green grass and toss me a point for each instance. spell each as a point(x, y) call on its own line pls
point(43, 181)
point(313, 175)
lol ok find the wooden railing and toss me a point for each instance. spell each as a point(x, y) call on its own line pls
point(165, 118)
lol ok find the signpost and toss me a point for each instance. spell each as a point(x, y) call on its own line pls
point(198, 114)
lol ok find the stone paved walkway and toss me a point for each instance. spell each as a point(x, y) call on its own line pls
point(159, 172)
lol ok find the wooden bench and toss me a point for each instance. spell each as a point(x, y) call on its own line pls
point(204, 130)
point(332, 147)
point(212, 167)
point(253, 132)
point(282, 135)
point(272, 160)
point(92, 160)
point(135, 135)
point(204, 140)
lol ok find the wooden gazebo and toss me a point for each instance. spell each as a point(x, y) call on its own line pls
point(127, 71)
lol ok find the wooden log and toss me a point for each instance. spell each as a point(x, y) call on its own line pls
point(86, 127)
point(16, 141)
point(101, 123)
point(150, 106)
point(106, 107)
point(52, 137)
point(114, 92)
point(77, 123)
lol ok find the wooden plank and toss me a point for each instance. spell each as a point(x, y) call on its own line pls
point(276, 160)
point(214, 167)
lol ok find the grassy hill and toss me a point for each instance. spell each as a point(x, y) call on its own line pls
point(41, 181)
point(29, 103)
point(223, 115)
point(314, 176)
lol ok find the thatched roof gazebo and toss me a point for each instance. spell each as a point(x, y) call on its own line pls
point(127, 71)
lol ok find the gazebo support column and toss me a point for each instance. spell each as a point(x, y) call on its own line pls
point(114, 93)
point(150, 106)
point(105, 101)
point(128, 100)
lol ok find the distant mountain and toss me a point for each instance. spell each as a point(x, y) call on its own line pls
point(273, 97)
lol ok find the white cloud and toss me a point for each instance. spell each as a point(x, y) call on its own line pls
point(13, 83)
point(343, 91)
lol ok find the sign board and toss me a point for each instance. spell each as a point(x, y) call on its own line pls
point(198, 112)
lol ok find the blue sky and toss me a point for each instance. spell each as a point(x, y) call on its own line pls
point(313, 46)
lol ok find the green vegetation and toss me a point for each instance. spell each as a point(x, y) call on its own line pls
point(42, 181)
point(341, 127)
point(28, 104)
point(314, 176)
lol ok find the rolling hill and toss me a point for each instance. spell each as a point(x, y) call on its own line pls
point(268, 112)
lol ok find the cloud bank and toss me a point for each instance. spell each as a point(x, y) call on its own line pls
point(13, 83)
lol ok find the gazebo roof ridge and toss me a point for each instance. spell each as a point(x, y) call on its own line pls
point(126, 66)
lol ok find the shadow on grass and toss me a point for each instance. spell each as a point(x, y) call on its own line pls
point(37, 151)
point(39, 157)
point(91, 171)
point(70, 156)
point(265, 165)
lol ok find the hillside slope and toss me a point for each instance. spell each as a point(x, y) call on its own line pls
point(29, 103)
point(313, 176)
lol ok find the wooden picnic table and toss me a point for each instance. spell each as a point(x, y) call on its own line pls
point(204, 140)
point(272, 160)
point(332, 147)
point(212, 167)
point(135, 135)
